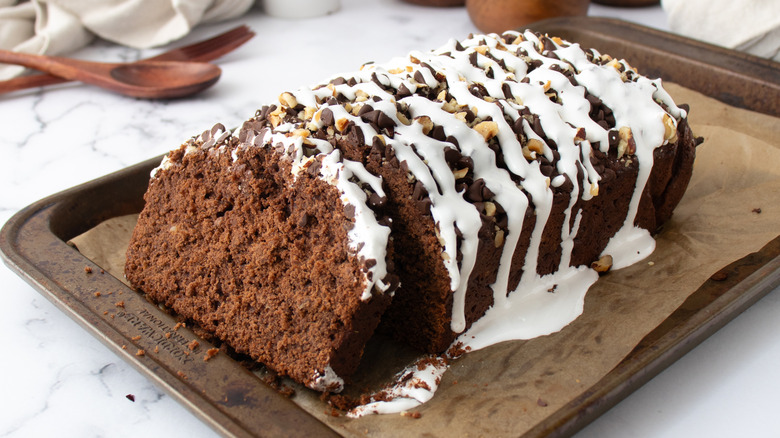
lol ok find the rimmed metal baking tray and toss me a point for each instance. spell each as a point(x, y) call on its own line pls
point(228, 397)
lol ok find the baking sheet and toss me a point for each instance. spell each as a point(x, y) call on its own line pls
point(475, 395)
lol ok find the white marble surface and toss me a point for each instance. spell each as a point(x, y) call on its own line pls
point(57, 379)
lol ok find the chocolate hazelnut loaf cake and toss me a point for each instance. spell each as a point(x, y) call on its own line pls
point(410, 197)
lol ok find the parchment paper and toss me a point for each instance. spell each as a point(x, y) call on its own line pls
point(731, 209)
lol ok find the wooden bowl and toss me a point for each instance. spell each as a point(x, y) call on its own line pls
point(502, 15)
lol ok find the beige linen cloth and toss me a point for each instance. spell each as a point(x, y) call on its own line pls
point(56, 27)
point(751, 26)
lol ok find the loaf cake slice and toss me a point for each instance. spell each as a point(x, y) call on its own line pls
point(278, 255)
point(477, 169)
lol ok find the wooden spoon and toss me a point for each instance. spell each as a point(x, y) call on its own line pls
point(147, 79)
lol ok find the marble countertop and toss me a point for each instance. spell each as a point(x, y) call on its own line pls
point(57, 379)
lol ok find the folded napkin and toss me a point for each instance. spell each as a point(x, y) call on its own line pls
point(56, 27)
point(750, 26)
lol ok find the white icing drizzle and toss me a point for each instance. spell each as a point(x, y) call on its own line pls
point(518, 94)
point(540, 305)
point(327, 381)
point(477, 61)
point(418, 384)
point(367, 238)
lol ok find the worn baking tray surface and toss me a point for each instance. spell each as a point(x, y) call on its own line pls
point(232, 400)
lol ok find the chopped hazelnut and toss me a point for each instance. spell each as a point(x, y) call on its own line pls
point(499, 240)
point(309, 112)
point(490, 209)
point(535, 145)
point(460, 173)
point(341, 124)
point(361, 96)
point(487, 129)
point(288, 99)
point(426, 122)
point(451, 106)
point(627, 145)
point(670, 128)
point(602, 265)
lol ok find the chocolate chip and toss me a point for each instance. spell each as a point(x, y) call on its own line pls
point(375, 79)
point(378, 119)
point(473, 59)
point(418, 77)
point(393, 281)
point(349, 211)
point(378, 147)
point(326, 116)
point(594, 100)
point(534, 64)
point(355, 135)
point(314, 168)
point(517, 126)
point(304, 220)
point(438, 133)
point(376, 201)
point(536, 126)
point(365, 109)
point(451, 156)
point(465, 162)
point(548, 44)
point(419, 191)
point(429, 68)
point(478, 90)
point(403, 91)
point(424, 206)
point(478, 191)
point(614, 139)
point(385, 121)
point(452, 140)
point(507, 90)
